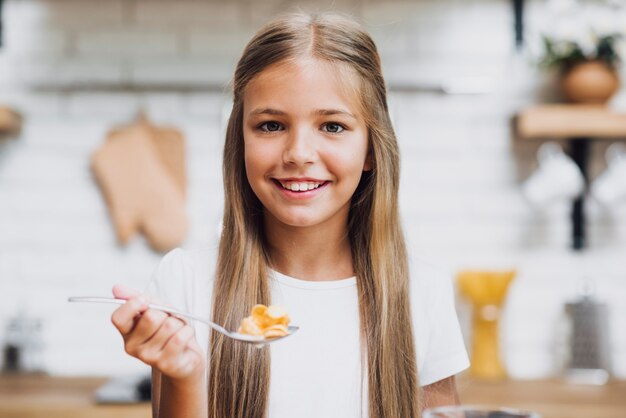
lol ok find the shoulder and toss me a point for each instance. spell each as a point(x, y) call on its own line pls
point(181, 273)
point(430, 287)
point(429, 282)
point(428, 278)
point(193, 261)
point(431, 296)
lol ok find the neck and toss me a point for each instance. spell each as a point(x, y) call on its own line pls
point(316, 253)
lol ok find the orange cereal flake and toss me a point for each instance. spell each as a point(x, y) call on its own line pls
point(267, 322)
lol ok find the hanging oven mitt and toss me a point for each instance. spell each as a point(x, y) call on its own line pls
point(10, 123)
point(169, 143)
point(140, 188)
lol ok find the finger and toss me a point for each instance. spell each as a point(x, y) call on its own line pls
point(121, 291)
point(124, 317)
point(151, 351)
point(147, 325)
point(170, 326)
point(182, 354)
point(178, 341)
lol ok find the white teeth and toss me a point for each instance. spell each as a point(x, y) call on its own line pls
point(300, 186)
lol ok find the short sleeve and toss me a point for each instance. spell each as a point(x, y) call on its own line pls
point(183, 280)
point(443, 348)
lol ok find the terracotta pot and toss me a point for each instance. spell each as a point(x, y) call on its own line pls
point(589, 82)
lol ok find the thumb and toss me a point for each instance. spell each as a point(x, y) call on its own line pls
point(124, 292)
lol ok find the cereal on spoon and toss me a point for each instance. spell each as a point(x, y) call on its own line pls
point(267, 322)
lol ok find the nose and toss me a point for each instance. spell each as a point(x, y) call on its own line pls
point(299, 148)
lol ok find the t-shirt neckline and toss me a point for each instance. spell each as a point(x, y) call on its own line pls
point(315, 285)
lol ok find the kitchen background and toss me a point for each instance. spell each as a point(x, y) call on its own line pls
point(77, 68)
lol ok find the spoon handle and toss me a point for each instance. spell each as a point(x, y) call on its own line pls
point(167, 309)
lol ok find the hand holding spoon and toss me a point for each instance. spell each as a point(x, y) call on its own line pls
point(231, 334)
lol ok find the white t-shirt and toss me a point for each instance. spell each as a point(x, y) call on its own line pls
point(317, 371)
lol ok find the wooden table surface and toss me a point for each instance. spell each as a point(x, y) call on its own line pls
point(63, 397)
point(24, 396)
point(550, 398)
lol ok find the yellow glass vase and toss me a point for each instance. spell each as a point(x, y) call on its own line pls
point(486, 290)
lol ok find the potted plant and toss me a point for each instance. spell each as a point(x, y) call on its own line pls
point(584, 41)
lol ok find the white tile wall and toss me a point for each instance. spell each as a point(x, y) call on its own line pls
point(460, 187)
point(184, 13)
point(129, 42)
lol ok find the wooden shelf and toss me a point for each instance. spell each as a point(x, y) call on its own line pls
point(566, 121)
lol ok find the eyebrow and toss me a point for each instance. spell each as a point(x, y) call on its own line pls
point(329, 112)
point(266, 111)
point(320, 112)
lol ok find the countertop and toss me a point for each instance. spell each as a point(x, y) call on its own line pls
point(64, 397)
point(34, 396)
point(550, 398)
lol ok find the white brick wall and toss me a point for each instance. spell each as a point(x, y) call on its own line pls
point(460, 187)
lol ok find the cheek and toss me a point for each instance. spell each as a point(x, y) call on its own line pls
point(350, 160)
point(252, 165)
point(346, 168)
point(258, 159)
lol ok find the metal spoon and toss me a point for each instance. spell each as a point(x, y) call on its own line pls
point(257, 340)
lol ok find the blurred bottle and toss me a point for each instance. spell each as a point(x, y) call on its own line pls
point(23, 345)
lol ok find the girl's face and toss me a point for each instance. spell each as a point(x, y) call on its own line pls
point(305, 143)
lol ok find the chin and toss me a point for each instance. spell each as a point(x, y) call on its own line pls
point(297, 220)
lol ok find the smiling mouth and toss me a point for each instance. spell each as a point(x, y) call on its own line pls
point(300, 186)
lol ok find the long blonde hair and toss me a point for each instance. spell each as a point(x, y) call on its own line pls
point(238, 373)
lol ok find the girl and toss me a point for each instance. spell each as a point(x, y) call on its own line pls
point(311, 174)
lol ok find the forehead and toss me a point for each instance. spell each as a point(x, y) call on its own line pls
point(304, 83)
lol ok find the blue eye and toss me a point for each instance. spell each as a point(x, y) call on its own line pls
point(333, 128)
point(270, 126)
